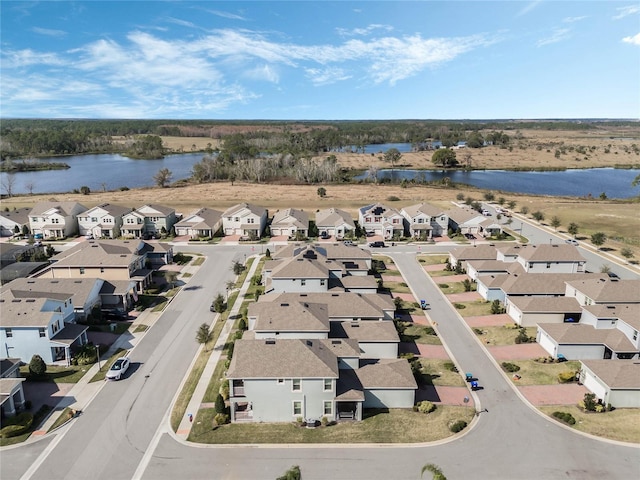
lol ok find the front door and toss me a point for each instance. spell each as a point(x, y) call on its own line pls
point(607, 353)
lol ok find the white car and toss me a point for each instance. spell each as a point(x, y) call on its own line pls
point(89, 236)
point(573, 242)
point(486, 213)
point(118, 369)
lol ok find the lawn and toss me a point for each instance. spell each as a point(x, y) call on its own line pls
point(419, 334)
point(432, 259)
point(396, 287)
point(198, 261)
point(473, 309)
point(442, 273)
point(58, 374)
point(620, 424)
point(394, 426)
point(502, 335)
point(455, 287)
point(535, 373)
point(438, 372)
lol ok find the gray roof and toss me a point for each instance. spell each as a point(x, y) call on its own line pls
point(301, 267)
point(425, 208)
point(348, 387)
point(201, 219)
point(8, 366)
point(481, 251)
point(114, 210)
point(532, 283)
point(282, 358)
point(255, 209)
point(111, 253)
point(616, 374)
point(366, 331)
point(76, 288)
point(461, 215)
point(69, 333)
point(341, 304)
point(291, 216)
point(155, 208)
point(605, 290)
point(287, 317)
point(330, 251)
point(581, 334)
point(19, 215)
point(27, 312)
point(359, 281)
point(546, 304)
point(387, 374)
point(545, 252)
point(379, 209)
point(333, 217)
point(65, 208)
point(628, 313)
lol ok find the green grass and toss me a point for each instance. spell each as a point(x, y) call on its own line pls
point(435, 372)
point(455, 287)
point(186, 275)
point(393, 426)
point(140, 328)
point(396, 287)
point(38, 418)
point(62, 418)
point(442, 273)
point(474, 309)
point(162, 303)
point(535, 373)
point(620, 424)
point(502, 335)
point(198, 261)
point(121, 327)
point(419, 334)
point(106, 365)
point(432, 259)
point(58, 374)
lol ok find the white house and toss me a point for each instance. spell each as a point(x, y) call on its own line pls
point(244, 219)
point(551, 258)
point(14, 218)
point(158, 219)
point(425, 221)
point(378, 219)
point(11, 392)
point(55, 219)
point(614, 383)
point(204, 223)
point(102, 221)
point(600, 290)
point(334, 222)
point(290, 222)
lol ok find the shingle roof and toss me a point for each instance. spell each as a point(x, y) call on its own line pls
point(24, 312)
point(300, 267)
point(580, 334)
point(340, 305)
point(367, 331)
point(282, 358)
point(475, 252)
point(111, 253)
point(387, 374)
point(61, 288)
point(628, 313)
point(616, 374)
point(545, 252)
point(532, 283)
point(546, 304)
point(256, 210)
point(202, 218)
point(64, 207)
point(19, 215)
point(114, 210)
point(153, 207)
point(424, 208)
point(286, 317)
point(291, 216)
point(605, 290)
point(333, 217)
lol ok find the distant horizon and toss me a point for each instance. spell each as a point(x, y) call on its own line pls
point(320, 60)
point(479, 120)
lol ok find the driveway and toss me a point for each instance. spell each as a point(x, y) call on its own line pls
point(568, 394)
point(45, 393)
point(489, 320)
point(444, 395)
point(523, 351)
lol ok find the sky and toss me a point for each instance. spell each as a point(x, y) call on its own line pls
point(320, 60)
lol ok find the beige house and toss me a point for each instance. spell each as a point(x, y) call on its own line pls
point(244, 219)
point(425, 221)
point(202, 223)
point(55, 219)
point(290, 222)
point(333, 222)
point(614, 383)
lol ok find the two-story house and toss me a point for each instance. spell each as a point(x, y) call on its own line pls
point(425, 221)
point(203, 223)
point(55, 219)
point(158, 219)
point(102, 221)
point(551, 258)
point(11, 391)
point(14, 222)
point(244, 219)
point(333, 222)
point(290, 222)
point(378, 219)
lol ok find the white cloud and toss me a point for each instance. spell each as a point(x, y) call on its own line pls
point(264, 73)
point(27, 57)
point(558, 35)
point(183, 23)
point(326, 76)
point(626, 11)
point(573, 19)
point(49, 32)
point(528, 7)
point(231, 16)
point(634, 40)
point(363, 31)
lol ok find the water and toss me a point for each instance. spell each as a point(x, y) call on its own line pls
point(615, 183)
point(380, 148)
point(114, 171)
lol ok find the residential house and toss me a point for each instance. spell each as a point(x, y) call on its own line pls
point(203, 223)
point(11, 392)
point(55, 219)
point(528, 311)
point(244, 219)
point(133, 225)
point(551, 258)
point(375, 339)
point(471, 253)
point(288, 320)
point(290, 222)
point(425, 221)
point(158, 219)
point(14, 222)
point(39, 325)
point(613, 383)
point(102, 221)
point(359, 260)
point(603, 290)
point(333, 222)
point(465, 220)
point(378, 219)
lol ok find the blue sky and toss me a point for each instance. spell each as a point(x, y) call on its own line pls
point(320, 60)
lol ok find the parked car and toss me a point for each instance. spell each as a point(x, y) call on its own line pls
point(324, 235)
point(470, 236)
point(571, 241)
point(348, 243)
point(377, 244)
point(613, 275)
point(89, 236)
point(38, 236)
point(486, 213)
point(371, 234)
point(118, 369)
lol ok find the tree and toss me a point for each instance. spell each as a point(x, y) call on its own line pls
point(8, 182)
point(555, 222)
point(37, 367)
point(636, 181)
point(292, 474)
point(511, 204)
point(524, 210)
point(16, 229)
point(322, 192)
point(171, 278)
point(163, 177)
point(218, 304)
point(626, 252)
point(573, 229)
point(598, 239)
point(489, 196)
point(25, 229)
point(30, 186)
point(444, 157)
point(392, 156)
point(434, 470)
point(84, 190)
point(538, 216)
point(204, 335)
point(50, 251)
point(460, 196)
point(220, 406)
point(237, 267)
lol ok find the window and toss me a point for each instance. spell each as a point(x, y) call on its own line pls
point(328, 384)
point(281, 381)
point(81, 270)
point(8, 332)
point(322, 282)
point(378, 219)
point(367, 220)
point(41, 332)
point(251, 220)
point(548, 265)
point(303, 282)
point(396, 220)
point(297, 408)
point(296, 385)
point(635, 334)
point(55, 327)
point(328, 408)
point(101, 269)
point(55, 220)
point(94, 219)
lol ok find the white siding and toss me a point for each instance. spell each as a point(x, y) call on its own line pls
point(383, 398)
point(378, 350)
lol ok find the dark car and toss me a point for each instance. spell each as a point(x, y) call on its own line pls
point(613, 275)
point(377, 244)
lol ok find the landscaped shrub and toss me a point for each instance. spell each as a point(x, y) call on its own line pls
point(17, 425)
point(467, 285)
point(426, 407)
point(478, 331)
point(458, 426)
point(37, 367)
point(324, 421)
point(496, 308)
point(566, 377)
point(221, 419)
point(510, 367)
point(444, 285)
point(522, 337)
point(451, 367)
point(460, 306)
point(220, 405)
point(242, 324)
point(224, 389)
point(565, 417)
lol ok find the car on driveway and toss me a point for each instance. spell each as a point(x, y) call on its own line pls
point(376, 244)
point(571, 241)
point(118, 369)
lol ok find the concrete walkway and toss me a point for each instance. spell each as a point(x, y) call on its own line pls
point(201, 388)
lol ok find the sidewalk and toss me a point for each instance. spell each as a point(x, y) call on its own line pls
point(201, 388)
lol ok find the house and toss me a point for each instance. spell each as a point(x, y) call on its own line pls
point(55, 219)
point(333, 222)
point(614, 383)
point(102, 221)
point(425, 221)
point(106, 259)
point(290, 222)
point(158, 219)
point(359, 260)
point(469, 253)
point(551, 258)
point(601, 290)
point(39, 325)
point(529, 311)
point(14, 222)
point(375, 339)
point(203, 223)
point(490, 228)
point(244, 219)
point(11, 391)
point(11, 253)
point(465, 220)
point(378, 219)
point(288, 320)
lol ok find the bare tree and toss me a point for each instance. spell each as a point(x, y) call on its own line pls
point(30, 186)
point(163, 177)
point(8, 182)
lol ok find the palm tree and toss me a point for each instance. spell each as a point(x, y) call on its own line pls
point(435, 471)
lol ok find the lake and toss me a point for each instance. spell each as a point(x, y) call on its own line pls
point(616, 183)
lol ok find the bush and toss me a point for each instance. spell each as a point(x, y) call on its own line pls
point(426, 407)
point(242, 324)
point(392, 198)
point(224, 390)
point(17, 425)
point(451, 367)
point(324, 421)
point(37, 367)
point(566, 377)
point(510, 367)
point(496, 308)
point(565, 417)
point(221, 419)
point(220, 405)
point(458, 426)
